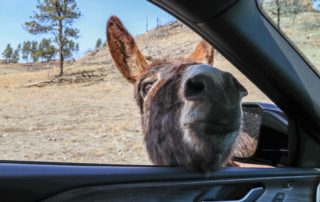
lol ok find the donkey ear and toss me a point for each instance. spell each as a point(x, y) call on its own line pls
point(203, 53)
point(243, 91)
point(124, 50)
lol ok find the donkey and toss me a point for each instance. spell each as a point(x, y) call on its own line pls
point(190, 111)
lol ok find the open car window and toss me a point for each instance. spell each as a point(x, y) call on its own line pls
point(299, 21)
point(88, 114)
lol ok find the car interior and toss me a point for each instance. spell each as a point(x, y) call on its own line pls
point(288, 130)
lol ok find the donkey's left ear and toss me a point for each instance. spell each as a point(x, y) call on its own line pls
point(203, 53)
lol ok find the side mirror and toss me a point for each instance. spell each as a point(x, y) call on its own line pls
point(267, 126)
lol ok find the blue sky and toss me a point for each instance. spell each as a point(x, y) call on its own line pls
point(133, 13)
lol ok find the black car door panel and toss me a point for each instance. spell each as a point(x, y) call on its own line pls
point(84, 182)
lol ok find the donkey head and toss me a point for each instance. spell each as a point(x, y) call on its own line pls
point(190, 111)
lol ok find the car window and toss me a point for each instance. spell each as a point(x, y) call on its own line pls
point(299, 20)
point(87, 112)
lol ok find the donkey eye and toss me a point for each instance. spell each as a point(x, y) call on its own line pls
point(146, 87)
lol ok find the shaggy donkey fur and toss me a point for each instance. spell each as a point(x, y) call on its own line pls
point(190, 111)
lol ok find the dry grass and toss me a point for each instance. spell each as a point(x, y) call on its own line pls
point(86, 118)
point(74, 121)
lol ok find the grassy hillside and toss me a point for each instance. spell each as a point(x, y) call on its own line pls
point(89, 115)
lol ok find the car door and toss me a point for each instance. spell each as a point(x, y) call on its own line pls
point(243, 35)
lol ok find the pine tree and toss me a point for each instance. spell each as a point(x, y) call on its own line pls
point(33, 50)
point(98, 43)
point(7, 54)
point(46, 50)
point(104, 44)
point(19, 48)
point(70, 47)
point(40, 51)
point(56, 17)
point(26, 50)
point(15, 56)
point(77, 49)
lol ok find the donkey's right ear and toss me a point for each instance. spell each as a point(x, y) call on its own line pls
point(124, 50)
point(203, 53)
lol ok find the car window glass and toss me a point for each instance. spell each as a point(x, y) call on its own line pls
point(299, 20)
point(89, 114)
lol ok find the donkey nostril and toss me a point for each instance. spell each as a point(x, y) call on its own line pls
point(194, 88)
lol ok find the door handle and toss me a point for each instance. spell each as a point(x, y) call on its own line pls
point(251, 196)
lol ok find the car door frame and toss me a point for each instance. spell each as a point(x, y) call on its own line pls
point(240, 31)
point(35, 181)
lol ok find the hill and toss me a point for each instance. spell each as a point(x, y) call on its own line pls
point(89, 115)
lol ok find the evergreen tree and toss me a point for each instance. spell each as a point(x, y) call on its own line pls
point(77, 49)
point(104, 44)
point(40, 51)
point(19, 48)
point(15, 56)
point(70, 47)
point(45, 50)
point(26, 50)
point(7, 54)
point(98, 43)
point(56, 17)
point(33, 51)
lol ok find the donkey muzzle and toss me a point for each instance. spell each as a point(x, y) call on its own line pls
point(211, 100)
